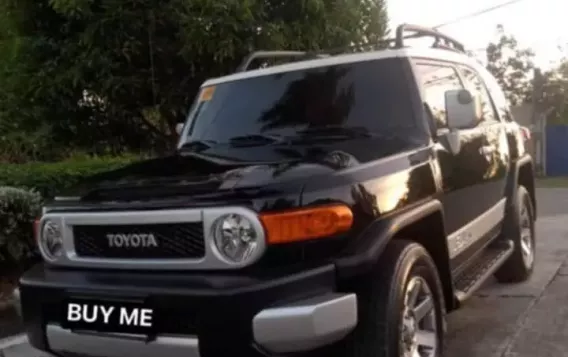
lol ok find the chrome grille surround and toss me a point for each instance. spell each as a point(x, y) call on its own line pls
point(212, 260)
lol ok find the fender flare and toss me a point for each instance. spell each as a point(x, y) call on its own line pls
point(511, 193)
point(374, 239)
point(513, 179)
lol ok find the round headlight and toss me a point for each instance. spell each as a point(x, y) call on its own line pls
point(51, 240)
point(235, 238)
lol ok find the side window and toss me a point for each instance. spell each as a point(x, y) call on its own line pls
point(476, 85)
point(501, 102)
point(435, 81)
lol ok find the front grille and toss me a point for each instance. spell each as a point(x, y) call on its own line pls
point(174, 241)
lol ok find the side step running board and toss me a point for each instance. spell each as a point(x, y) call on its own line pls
point(471, 279)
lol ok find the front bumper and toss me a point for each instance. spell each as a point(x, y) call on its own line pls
point(207, 314)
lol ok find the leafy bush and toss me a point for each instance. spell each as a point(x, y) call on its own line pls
point(49, 178)
point(18, 209)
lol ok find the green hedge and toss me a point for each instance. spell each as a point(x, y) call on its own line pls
point(49, 178)
point(18, 209)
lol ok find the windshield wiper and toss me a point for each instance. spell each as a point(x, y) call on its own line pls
point(255, 140)
point(333, 133)
point(197, 145)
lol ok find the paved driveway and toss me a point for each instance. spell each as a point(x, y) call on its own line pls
point(524, 320)
point(528, 319)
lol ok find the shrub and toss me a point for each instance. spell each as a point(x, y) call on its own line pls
point(18, 209)
point(49, 178)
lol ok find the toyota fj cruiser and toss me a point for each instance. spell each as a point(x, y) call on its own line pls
point(336, 203)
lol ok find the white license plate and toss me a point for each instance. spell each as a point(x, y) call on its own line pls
point(108, 316)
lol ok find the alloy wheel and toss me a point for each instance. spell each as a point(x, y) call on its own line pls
point(527, 246)
point(418, 331)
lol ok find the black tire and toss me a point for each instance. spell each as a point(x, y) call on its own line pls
point(381, 303)
point(519, 267)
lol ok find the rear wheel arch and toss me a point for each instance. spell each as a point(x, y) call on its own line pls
point(521, 173)
point(525, 178)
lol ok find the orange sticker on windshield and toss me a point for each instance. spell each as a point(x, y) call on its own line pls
point(207, 94)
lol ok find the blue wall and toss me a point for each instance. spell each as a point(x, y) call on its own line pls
point(557, 150)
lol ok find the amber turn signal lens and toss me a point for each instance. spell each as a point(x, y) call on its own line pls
point(306, 224)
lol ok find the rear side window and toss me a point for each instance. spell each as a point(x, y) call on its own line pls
point(499, 99)
point(435, 81)
point(476, 85)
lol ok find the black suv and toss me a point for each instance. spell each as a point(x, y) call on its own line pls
point(336, 204)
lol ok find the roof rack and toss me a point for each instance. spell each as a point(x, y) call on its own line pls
point(441, 41)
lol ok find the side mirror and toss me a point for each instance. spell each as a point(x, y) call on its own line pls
point(461, 109)
point(179, 128)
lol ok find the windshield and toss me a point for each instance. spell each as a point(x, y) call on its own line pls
point(372, 95)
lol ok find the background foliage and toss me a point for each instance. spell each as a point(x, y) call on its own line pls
point(514, 68)
point(109, 77)
point(49, 178)
point(18, 209)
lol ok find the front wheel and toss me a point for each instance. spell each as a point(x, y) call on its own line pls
point(401, 306)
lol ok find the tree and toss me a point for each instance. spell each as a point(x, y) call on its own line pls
point(554, 94)
point(512, 66)
point(109, 75)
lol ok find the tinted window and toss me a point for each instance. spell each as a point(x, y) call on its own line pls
point(475, 84)
point(499, 98)
point(371, 94)
point(435, 81)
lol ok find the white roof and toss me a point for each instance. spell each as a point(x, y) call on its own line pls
point(428, 53)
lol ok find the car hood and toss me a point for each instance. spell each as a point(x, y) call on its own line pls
point(207, 172)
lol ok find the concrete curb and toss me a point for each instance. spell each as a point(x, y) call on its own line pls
point(18, 339)
point(8, 342)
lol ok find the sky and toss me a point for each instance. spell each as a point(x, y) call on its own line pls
point(538, 24)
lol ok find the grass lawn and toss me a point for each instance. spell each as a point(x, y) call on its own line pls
point(552, 182)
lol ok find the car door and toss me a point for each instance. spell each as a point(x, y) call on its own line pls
point(494, 148)
point(463, 174)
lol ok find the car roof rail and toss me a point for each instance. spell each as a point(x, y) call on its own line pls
point(244, 66)
point(441, 41)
